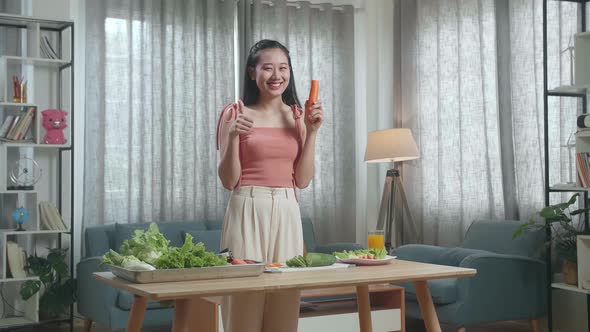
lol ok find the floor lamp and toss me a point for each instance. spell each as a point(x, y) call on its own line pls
point(387, 146)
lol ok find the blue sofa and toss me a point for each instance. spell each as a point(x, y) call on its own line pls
point(110, 307)
point(509, 285)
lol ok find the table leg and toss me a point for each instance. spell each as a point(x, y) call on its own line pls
point(192, 312)
point(137, 313)
point(363, 303)
point(426, 306)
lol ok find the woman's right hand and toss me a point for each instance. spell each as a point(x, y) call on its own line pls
point(242, 124)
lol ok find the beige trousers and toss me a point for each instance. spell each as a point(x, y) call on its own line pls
point(262, 224)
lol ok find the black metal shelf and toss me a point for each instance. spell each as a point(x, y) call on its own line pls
point(566, 94)
point(571, 190)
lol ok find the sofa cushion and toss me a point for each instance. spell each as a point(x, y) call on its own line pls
point(97, 240)
point(496, 236)
point(174, 231)
point(214, 224)
point(308, 234)
point(454, 256)
point(443, 291)
point(171, 230)
point(125, 299)
point(210, 238)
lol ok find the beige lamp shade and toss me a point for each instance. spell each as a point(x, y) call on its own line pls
point(391, 145)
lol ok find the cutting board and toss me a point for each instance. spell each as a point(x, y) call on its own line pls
point(301, 269)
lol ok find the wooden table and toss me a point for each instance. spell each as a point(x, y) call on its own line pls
point(383, 297)
point(188, 294)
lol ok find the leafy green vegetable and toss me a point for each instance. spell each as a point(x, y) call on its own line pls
point(297, 261)
point(148, 245)
point(114, 258)
point(149, 249)
point(189, 255)
point(377, 253)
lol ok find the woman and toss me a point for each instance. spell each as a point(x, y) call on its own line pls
point(266, 152)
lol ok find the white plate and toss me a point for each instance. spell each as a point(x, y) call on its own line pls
point(363, 261)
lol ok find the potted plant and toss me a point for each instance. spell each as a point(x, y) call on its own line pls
point(59, 291)
point(565, 225)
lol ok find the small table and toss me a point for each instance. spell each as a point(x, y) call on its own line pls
point(188, 294)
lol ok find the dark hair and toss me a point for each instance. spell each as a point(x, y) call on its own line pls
point(251, 92)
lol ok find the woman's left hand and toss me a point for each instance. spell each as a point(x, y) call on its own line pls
point(314, 116)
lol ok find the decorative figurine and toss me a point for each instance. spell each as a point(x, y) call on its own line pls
point(54, 122)
point(20, 216)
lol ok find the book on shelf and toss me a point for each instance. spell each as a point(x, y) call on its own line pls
point(13, 126)
point(16, 127)
point(50, 217)
point(17, 259)
point(6, 125)
point(583, 169)
point(47, 49)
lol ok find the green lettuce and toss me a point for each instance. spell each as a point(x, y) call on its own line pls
point(151, 248)
point(189, 255)
point(147, 245)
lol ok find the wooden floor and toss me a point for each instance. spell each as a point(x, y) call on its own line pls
point(412, 326)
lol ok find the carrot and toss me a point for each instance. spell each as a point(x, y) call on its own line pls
point(274, 265)
point(237, 261)
point(313, 95)
point(313, 91)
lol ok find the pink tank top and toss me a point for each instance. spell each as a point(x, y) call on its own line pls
point(267, 155)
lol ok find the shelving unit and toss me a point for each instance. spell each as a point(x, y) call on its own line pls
point(579, 91)
point(50, 82)
point(582, 45)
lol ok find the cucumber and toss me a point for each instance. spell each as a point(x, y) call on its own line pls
point(315, 259)
point(312, 259)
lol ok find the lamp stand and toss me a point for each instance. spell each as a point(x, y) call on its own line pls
point(393, 193)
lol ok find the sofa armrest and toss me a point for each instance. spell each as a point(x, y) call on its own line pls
point(419, 253)
point(337, 246)
point(94, 297)
point(506, 287)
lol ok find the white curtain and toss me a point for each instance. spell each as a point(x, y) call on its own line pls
point(472, 93)
point(157, 76)
point(320, 39)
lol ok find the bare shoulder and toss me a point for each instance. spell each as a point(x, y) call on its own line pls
point(249, 112)
point(287, 115)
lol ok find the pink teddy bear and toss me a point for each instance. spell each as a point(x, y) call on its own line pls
point(54, 122)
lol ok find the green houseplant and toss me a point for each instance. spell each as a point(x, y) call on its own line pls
point(565, 225)
point(58, 289)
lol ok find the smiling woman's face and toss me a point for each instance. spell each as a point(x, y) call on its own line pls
point(272, 72)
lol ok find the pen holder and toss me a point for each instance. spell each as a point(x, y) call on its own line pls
point(19, 90)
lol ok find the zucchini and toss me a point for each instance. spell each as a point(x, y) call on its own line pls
point(315, 259)
point(312, 259)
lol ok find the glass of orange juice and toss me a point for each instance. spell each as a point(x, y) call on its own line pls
point(376, 240)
